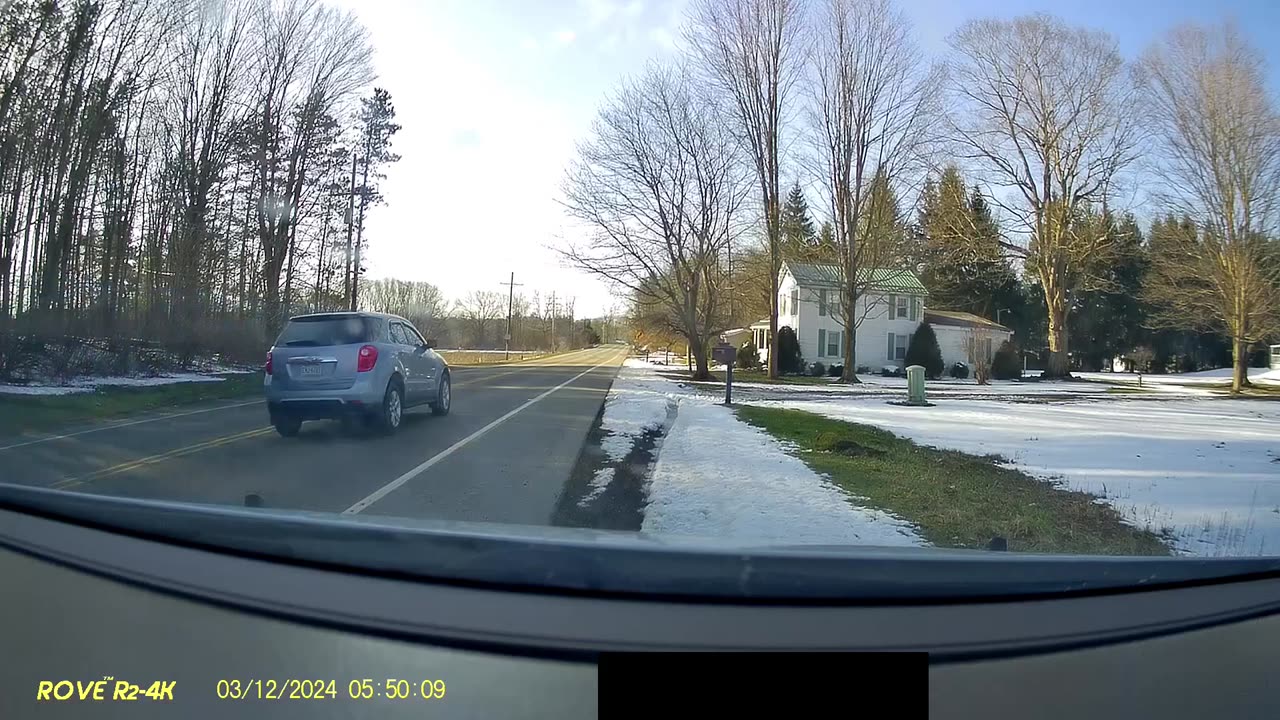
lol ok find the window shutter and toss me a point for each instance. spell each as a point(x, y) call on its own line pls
point(893, 307)
point(822, 342)
point(890, 346)
point(915, 308)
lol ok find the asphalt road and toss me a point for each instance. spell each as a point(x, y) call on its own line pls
point(503, 454)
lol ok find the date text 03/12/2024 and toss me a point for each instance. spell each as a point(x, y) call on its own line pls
point(357, 689)
point(108, 689)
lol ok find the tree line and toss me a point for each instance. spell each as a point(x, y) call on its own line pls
point(186, 172)
point(1003, 172)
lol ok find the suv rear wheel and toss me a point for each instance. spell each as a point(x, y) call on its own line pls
point(392, 411)
point(287, 426)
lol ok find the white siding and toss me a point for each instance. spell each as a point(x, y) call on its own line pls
point(951, 340)
point(871, 348)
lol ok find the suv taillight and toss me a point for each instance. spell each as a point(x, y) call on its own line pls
point(268, 367)
point(368, 358)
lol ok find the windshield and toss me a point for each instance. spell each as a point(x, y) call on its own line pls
point(338, 330)
point(822, 277)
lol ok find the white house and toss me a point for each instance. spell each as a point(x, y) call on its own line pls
point(888, 314)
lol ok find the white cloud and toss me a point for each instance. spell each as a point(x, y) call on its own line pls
point(528, 43)
point(663, 37)
point(564, 37)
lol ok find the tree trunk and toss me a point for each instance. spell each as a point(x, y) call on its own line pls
point(1057, 366)
point(1239, 364)
point(850, 341)
point(697, 348)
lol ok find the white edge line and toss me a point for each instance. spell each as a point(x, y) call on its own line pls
point(127, 424)
point(385, 490)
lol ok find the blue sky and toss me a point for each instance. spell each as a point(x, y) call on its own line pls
point(492, 95)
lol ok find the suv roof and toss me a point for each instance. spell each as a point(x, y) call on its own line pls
point(347, 313)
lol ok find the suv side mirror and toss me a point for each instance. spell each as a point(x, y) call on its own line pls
point(431, 343)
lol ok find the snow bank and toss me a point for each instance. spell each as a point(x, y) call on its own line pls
point(42, 390)
point(637, 402)
point(719, 477)
point(716, 476)
point(1208, 471)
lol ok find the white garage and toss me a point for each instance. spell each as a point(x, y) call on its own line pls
point(960, 332)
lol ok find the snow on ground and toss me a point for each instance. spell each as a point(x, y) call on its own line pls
point(716, 476)
point(719, 477)
point(42, 389)
point(88, 384)
point(1208, 471)
point(1220, 377)
point(637, 402)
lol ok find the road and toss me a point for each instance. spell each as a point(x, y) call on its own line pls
point(503, 454)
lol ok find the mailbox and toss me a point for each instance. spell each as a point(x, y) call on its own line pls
point(724, 353)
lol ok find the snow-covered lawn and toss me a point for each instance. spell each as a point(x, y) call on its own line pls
point(1213, 378)
point(718, 477)
point(1206, 470)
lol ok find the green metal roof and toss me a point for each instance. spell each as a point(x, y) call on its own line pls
point(882, 279)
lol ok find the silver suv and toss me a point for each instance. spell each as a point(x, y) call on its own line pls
point(352, 366)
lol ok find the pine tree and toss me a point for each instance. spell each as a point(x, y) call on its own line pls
point(798, 236)
point(957, 247)
point(1106, 319)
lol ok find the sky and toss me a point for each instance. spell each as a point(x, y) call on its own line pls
point(492, 96)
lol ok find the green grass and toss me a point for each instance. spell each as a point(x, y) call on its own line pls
point(957, 500)
point(37, 413)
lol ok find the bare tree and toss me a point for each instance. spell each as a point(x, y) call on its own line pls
point(977, 345)
point(480, 310)
point(751, 50)
point(659, 188)
point(1047, 111)
point(310, 58)
point(873, 106)
point(1219, 164)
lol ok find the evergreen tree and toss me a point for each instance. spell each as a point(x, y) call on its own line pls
point(798, 235)
point(790, 360)
point(923, 350)
point(1106, 320)
point(957, 250)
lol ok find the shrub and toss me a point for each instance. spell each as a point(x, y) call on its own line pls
point(835, 370)
point(748, 356)
point(960, 371)
point(817, 369)
point(863, 369)
point(789, 359)
point(923, 350)
point(1007, 362)
point(890, 371)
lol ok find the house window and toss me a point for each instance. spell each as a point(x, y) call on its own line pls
point(898, 346)
point(822, 342)
point(902, 306)
point(833, 343)
point(795, 301)
point(822, 303)
point(782, 305)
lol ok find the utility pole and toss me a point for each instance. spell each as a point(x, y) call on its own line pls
point(350, 217)
point(511, 296)
point(553, 321)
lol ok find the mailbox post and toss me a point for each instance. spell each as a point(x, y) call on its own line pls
point(727, 354)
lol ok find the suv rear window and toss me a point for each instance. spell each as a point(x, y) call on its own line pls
point(326, 330)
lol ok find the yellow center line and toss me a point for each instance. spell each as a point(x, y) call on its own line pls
point(161, 457)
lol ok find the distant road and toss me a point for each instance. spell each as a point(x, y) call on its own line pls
point(503, 454)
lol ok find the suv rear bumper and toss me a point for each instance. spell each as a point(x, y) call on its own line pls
point(319, 409)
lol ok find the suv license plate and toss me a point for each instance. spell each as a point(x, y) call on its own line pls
point(309, 370)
